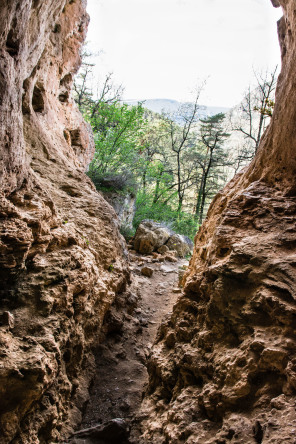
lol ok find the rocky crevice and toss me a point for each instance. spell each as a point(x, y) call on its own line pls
point(58, 236)
point(128, 333)
point(223, 365)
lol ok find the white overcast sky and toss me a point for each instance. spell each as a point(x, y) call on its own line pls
point(165, 48)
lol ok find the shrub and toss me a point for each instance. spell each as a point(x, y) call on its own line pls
point(127, 232)
point(182, 223)
point(119, 182)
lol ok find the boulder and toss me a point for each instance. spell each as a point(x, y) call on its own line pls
point(181, 244)
point(150, 236)
point(154, 236)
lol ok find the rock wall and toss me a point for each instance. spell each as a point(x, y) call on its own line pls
point(124, 206)
point(223, 368)
point(62, 258)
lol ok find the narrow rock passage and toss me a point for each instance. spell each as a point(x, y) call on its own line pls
point(131, 328)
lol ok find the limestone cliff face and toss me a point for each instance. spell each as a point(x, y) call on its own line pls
point(223, 368)
point(58, 236)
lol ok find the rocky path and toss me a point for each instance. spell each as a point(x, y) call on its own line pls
point(121, 357)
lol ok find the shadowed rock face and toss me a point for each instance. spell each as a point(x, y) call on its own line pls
point(223, 368)
point(58, 236)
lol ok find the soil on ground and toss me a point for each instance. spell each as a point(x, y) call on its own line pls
point(131, 328)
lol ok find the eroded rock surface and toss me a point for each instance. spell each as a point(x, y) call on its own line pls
point(124, 206)
point(62, 258)
point(223, 368)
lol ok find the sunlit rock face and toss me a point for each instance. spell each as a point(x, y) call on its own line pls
point(58, 236)
point(223, 368)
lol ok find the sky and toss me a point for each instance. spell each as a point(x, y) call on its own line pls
point(167, 48)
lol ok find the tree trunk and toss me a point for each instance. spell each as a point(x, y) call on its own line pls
point(157, 186)
point(198, 200)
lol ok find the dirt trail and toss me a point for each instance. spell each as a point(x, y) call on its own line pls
point(132, 326)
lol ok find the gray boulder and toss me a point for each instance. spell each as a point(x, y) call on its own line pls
point(181, 244)
point(150, 236)
point(154, 236)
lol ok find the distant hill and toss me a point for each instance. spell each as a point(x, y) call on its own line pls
point(172, 106)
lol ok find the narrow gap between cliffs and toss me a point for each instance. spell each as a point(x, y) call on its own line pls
point(130, 330)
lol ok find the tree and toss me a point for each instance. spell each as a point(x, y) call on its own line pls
point(82, 91)
point(116, 126)
point(181, 138)
point(117, 132)
point(210, 159)
point(254, 114)
point(161, 158)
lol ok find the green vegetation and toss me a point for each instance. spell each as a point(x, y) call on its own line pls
point(127, 232)
point(173, 164)
point(117, 130)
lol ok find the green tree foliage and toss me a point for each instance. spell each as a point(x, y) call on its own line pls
point(163, 211)
point(174, 164)
point(185, 170)
point(117, 128)
point(117, 132)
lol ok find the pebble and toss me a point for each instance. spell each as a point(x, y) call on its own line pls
point(167, 269)
point(147, 271)
point(176, 290)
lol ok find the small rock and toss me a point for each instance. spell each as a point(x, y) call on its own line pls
point(7, 319)
point(170, 339)
point(133, 257)
point(279, 403)
point(176, 290)
point(170, 258)
point(180, 277)
point(167, 269)
point(121, 354)
point(124, 405)
point(112, 432)
point(113, 323)
point(131, 302)
point(139, 330)
point(147, 271)
point(141, 356)
point(163, 249)
point(143, 322)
